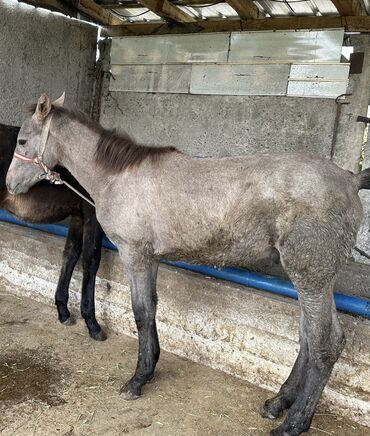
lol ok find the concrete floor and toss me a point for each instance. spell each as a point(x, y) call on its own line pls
point(54, 380)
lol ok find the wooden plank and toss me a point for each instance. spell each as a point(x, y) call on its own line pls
point(245, 8)
point(349, 7)
point(166, 9)
point(351, 24)
point(101, 15)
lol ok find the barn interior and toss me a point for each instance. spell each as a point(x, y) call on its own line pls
point(214, 79)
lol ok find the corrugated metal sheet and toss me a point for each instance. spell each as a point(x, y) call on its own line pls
point(239, 79)
point(136, 14)
point(224, 10)
point(314, 46)
point(299, 8)
point(221, 10)
point(151, 78)
point(170, 49)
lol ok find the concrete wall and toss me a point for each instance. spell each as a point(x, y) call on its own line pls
point(218, 126)
point(249, 334)
point(43, 52)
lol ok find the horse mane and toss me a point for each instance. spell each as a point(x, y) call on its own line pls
point(115, 152)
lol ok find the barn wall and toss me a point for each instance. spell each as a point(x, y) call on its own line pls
point(221, 125)
point(43, 52)
point(225, 94)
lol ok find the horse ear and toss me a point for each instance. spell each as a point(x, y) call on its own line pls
point(60, 101)
point(43, 107)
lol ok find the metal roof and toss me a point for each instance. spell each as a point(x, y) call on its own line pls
point(138, 17)
point(220, 9)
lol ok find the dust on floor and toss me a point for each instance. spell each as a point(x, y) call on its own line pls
point(55, 380)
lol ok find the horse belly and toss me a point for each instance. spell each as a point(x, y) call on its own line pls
point(244, 251)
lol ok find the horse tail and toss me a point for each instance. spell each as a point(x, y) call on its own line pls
point(363, 179)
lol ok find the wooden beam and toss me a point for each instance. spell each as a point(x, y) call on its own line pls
point(165, 9)
point(52, 5)
point(349, 7)
point(97, 13)
point(352, 24)
point(245, 8)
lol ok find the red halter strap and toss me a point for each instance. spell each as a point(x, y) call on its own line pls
point(51, 176)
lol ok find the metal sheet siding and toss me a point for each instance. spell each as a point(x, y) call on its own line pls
point(170, 49)
point(151, 78)
point(239, 79)
point(289, 47)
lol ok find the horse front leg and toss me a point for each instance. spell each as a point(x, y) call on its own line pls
point(71, 254)
point(91, 255)
point(144, 305)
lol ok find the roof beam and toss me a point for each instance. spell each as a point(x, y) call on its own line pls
point(99, 14)
point(349, 7)
point(352, 24)
point(165, 9)
point(245, 8)
point(52, 5)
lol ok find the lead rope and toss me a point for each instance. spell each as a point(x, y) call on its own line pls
point(52, 176)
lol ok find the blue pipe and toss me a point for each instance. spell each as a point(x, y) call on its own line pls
point(55, 229)
point(346, 303)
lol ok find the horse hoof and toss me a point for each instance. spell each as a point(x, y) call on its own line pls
point(278, 432)
point(265, 412)
point(127, 394)
point(100, 336)
point(69, 321)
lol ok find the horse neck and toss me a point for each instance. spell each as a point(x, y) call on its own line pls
point(75, 151)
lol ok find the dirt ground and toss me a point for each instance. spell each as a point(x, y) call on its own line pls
point(55, 380)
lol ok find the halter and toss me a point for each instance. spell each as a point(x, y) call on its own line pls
point(52, 176)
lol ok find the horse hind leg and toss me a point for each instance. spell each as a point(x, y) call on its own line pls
point(312, 266)
point(274, 407)
point(325, 341)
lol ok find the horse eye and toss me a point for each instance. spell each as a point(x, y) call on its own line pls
point(22, 141)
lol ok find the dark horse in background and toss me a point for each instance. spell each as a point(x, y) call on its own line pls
point(46, 203)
